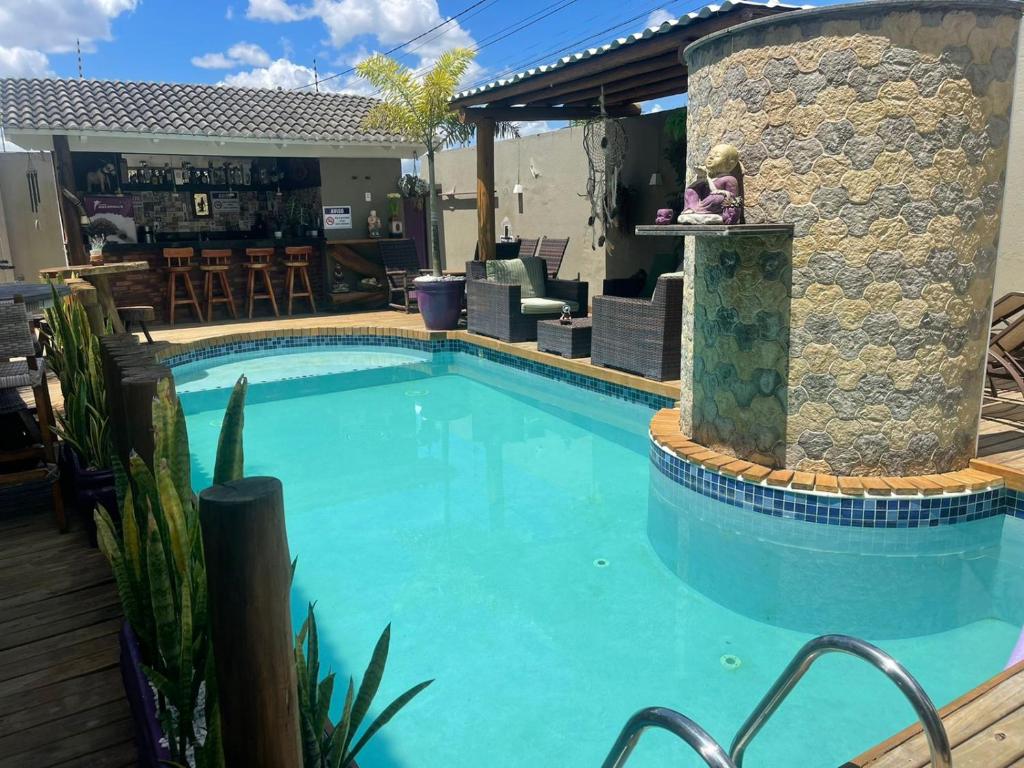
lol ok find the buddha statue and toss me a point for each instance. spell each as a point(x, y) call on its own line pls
point(717, 197)
point(373, 225)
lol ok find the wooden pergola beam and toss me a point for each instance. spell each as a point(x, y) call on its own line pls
point(561, 94)
point(653, 91)
point(485, 189)
point(481, 114)
point(624, 90)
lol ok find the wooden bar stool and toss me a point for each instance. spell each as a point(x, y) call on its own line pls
point(215, 266)
point(179, 265)
point(259, 261)
point(296, 259)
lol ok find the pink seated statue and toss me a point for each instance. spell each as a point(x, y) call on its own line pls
point(718, 197)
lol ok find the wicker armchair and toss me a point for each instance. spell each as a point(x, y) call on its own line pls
point(495, 309)
point(638, 335)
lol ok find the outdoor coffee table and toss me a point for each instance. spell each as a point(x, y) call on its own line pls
point(98, 275)
point(571, 340)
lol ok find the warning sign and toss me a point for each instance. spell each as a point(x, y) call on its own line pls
point(337, 217)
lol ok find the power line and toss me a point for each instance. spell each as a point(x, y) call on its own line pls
point(400, 45)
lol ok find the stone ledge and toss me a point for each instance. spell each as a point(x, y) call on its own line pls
point(980, 476)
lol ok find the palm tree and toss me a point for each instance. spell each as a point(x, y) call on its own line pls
point(417, 109)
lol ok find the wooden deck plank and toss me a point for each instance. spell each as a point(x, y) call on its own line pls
point(62, 701)
point(964, 718)
point(997, 746)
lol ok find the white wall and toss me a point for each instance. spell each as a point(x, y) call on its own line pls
point(36, 239)
point(554, 202)
point(1010, 261)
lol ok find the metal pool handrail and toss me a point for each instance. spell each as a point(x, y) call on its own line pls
point(660, 717)
point(938, 742)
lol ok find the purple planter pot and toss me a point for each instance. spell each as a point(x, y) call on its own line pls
point(89, 487)
point(142, 703)
point(440, 302)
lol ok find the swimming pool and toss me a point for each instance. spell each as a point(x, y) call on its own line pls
point(511, 529)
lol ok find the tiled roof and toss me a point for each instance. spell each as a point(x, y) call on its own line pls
point(664, 28)
point(70, 105)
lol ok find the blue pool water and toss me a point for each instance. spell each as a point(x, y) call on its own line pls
point(513, 532)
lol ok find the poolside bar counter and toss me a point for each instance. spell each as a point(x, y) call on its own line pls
point(148, 166)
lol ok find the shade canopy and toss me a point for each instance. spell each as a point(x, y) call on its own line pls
point(643, 66)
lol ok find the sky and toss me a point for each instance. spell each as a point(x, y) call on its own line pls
point(273, 43)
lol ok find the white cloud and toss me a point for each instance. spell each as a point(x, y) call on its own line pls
point(658, 17)
point(23, 62)
point(213, 61)
point(229, 12)
point(249, 53)
point(239, 54)
point(656, 107)
point(52, 26)
point(391, 23)
point(275, 10)
point(281, 73)
point(531, 127)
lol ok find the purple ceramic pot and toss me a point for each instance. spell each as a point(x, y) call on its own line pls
point(89, 488)
point(440, 301)
point(142, 703)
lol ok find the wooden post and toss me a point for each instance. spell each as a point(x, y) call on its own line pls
point(69, 213)
point(485, 188)
point(85, 294)
point(138, 389)
point(248, 573)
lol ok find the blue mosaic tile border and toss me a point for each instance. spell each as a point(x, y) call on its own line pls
point(867, 512)
point(588, 383)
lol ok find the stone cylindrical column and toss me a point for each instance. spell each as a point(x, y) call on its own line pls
point(880, 131)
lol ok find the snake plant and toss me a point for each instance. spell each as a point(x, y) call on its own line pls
point(73, 353)
point(333, 747)
point(157, 561)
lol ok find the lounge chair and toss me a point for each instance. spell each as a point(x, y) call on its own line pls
point(507, 298)
point(401, 266)
point(528, 247)
point(552, 250)
point(1005, 353)
point(1004, 309)
point(641, 336)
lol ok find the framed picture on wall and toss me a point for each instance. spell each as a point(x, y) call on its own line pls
point(201, 204)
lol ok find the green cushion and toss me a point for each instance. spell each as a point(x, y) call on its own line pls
point(526, 273)
point(540, 306)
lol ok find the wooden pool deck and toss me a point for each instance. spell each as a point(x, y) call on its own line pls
point(62, 702)
point(985, 728)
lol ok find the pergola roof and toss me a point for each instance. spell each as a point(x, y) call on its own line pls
point(645, 65)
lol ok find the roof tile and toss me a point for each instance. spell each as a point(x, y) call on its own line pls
point(68, 105)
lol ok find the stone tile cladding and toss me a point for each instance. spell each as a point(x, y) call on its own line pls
point(740, 346)
point(880, 132)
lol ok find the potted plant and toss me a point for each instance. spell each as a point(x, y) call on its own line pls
point(72, 352)
point(416, 108)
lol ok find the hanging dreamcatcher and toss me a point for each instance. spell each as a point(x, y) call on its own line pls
point(605, 144)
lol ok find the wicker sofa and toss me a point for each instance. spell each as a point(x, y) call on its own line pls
point(641, 336)
point(500, 310)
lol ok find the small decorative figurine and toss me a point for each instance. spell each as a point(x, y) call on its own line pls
point(373, 225)
point(664, 216)
point(369, 284)
point(566, 318)
point(717, 198)
point(339, 285)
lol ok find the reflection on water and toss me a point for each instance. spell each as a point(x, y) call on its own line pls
point(886, 583)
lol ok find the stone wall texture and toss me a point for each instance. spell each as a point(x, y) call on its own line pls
point(880, 132)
